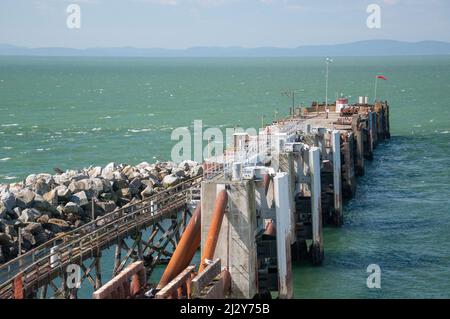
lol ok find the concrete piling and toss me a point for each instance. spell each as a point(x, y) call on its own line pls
point(316, 207)
point(283, 234)
point(336, 144)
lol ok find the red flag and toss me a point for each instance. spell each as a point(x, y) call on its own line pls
point(382, 77)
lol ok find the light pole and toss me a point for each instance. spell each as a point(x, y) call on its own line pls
point(327, 62)
point(290, 94)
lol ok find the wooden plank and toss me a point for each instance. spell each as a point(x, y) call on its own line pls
point(171, 288)
point(205, 277)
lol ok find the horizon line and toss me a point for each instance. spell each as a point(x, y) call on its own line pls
point(221, 46)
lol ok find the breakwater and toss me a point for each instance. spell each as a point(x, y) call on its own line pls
point(45, 206)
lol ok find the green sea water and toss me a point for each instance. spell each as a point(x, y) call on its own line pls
point(76, 112)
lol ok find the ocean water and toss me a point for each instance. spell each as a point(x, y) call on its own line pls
point(76, 112)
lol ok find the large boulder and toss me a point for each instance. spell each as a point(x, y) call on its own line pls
point(6, 240)
point(80, 199)
point(196, 171)
point(10, 231)
point(43, 219)
point(179, 172)
point(135, 186)
point(3, 210)
point(29, 215)
point(187, 165)
point(124, 193)
point(72, 208)
point(35, 234)
point(78, 186)
point(9, 200)
point(33, 228)
point(128, 170)
point(63, 193)
point(143, 165)
point(99, 185)
point(41, 204)
point(41, 186)
point(63, 179)
point(30, 180)
point(51, 197)
point(170, 181)
point(108, 171)
point(147, 192)
point(15, 213)
point(59, 222)
point(55, 225)
point(107, 206)
point(95, 171)
point(148, 182)
point(120, 182)
point(25, 198)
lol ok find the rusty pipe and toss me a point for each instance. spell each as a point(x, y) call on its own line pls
point(270, 229)
point(214, 229)
point(185, 251)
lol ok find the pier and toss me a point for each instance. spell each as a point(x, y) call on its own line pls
point(256, 209)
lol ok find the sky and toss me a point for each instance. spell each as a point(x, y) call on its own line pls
point(179, 24)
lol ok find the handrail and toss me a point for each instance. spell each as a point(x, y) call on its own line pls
point(92, 228)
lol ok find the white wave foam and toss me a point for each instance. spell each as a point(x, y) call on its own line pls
point(140, 130)
point(5, 159)
point(9, 125)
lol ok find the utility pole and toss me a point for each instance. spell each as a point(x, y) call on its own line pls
point(290, 94)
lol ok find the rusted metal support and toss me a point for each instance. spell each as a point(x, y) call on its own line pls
point(213, 233)
point(98, 271)
point(270, 229)
point(185, 251)
point(117, 257)
point(18, 287)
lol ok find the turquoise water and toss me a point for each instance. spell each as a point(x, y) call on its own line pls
point(76, 112)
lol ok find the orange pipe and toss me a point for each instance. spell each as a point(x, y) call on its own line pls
point(214, 229)
point(270, 229)
point(18, 287)
point(135, 286)
point(185, 251)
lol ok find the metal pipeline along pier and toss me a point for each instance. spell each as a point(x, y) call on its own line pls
point(256, 209)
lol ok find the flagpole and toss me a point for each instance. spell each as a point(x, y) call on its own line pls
point(376, 84)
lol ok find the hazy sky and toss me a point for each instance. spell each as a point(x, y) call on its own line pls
point(249, 23)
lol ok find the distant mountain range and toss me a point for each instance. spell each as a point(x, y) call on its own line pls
point(361, 48)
